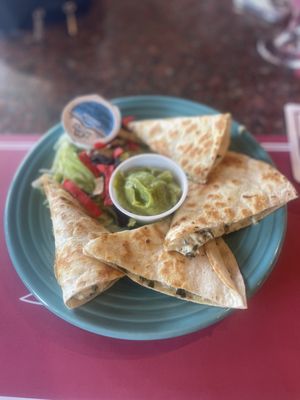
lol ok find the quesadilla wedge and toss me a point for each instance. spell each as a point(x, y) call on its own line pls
point(81, 277)
point(197, 144)
point(239, 192)
point(140, 254)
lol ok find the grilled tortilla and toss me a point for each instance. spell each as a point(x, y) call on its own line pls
point(197, 144)
point(81, 277)
point(240, 192)
point(140, 254)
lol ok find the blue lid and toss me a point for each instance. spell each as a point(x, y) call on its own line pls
point(90, 119)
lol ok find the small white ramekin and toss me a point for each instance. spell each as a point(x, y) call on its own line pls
point(150, 161)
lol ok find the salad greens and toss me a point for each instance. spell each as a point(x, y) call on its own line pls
point(85, 174)
point(67, 165)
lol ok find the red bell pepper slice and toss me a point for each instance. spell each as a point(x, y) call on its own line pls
point(117, 152)
point(99, 145)
point(107, 199)
point(133, 146)
point(103, 168)
point(89, 205)
point(85, 159)
point(127, 119)
point(106, 171)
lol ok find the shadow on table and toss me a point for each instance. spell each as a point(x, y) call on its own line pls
point(101, 347)
point(146, 349)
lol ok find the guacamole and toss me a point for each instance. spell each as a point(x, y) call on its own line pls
point(146, 191)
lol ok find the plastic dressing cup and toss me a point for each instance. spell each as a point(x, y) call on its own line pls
point(91, 119)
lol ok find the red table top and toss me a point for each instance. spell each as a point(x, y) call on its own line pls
point(252, 354)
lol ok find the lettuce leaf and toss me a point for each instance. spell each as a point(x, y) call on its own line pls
point(67, 165)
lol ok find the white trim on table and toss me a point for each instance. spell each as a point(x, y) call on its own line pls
point(11, 145)
point(276, 147)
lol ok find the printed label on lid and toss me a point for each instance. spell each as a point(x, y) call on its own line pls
point(90, 119)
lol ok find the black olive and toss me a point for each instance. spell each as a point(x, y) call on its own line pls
point(101, 159)
point(181, 292)
point(122, 218)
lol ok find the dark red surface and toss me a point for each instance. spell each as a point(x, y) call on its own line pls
point(252, 354)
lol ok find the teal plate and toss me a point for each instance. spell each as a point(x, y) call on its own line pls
point(128, 311)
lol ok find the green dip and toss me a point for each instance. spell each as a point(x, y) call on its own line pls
point(146, 191)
